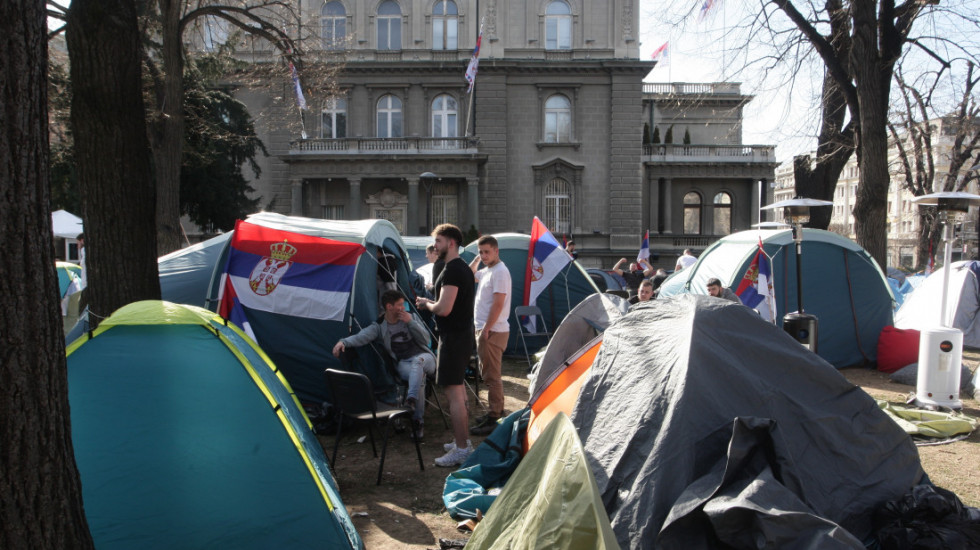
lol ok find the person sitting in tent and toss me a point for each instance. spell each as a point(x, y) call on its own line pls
point(715, 289)
point(635, 275)
point(644, 293)
point(405, 339)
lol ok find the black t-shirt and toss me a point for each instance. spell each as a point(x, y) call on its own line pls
point(460, 318)
point(633, 280)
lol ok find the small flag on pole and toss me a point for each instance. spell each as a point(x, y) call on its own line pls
point(300, 99)
point(545, 259)
point(471, 69)
point(706, 8)
point(756, 289)
point(644, 254)
point(662, 55)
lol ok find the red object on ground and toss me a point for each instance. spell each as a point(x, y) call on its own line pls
point(897, 348)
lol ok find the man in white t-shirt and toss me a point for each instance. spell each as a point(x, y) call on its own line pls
point(426, 270)
point(685, 260)
point(490, 313)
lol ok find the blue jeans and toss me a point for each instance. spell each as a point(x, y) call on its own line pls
point(414, 371)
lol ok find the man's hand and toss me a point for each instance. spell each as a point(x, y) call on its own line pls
point(421, 302)
point(485, 334)
point(404, 316)
point(340, 347)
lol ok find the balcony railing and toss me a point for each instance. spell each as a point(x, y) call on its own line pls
point(374, 146)
point(696, 88)
point(709, 153)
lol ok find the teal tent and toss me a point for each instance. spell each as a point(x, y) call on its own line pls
point(566, 290)
point(842, 285)
point(302, 347)
point(186, 436)
point(185, 274)
point(69, 278)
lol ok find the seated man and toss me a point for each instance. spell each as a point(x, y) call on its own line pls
point(644, 294)
point(715, 289)
point(405, 339)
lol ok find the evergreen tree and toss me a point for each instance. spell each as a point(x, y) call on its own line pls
point(669, 136)
point(646, 134)
point(656, 135)
point(687, 137)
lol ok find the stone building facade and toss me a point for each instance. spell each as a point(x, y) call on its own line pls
point(554, 128)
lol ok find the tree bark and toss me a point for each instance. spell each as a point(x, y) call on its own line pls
point(40, 492)
point(167, 129)
point(113, 155)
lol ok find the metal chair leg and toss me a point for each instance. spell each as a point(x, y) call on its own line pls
point(371, 434)
point(384, 449)
point(336, 442)
point(415, 439)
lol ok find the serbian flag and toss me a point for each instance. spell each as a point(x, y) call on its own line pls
point(706, 8)
point(286, 273)
point(755, 290)
point(300, 98)
point(545, 259)
point(471, 69)
point(662, 55)
point(644, 254)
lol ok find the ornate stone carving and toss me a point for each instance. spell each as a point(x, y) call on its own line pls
point(628, 19)
point(387, 198)
point(491, 18)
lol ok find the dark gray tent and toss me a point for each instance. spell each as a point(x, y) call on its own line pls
point(707, 427)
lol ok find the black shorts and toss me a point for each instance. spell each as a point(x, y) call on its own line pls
point(455, 351)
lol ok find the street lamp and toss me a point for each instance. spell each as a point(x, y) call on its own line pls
point(941, 348)
point(799, 324)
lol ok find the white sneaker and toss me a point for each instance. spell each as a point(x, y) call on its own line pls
point(455, 457)
point(452, 445)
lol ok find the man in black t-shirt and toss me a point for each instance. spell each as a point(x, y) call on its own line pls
point(453, 309)
point(637, 272)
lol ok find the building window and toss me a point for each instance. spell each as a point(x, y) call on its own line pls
point(389, 117)
point(557, 119)
point(723, 214)
point(558, 26)
point(444, 115)
point(444, 203)
point(332, 212)
point(445, 22)
point(692, 214)
point(333, 119)
point(333, 25)
point(389, 26)
point(557, 206)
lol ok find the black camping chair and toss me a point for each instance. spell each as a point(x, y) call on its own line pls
point(353, 397)
point(525, 311)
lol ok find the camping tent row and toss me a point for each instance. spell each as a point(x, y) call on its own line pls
point(842, 286)
point(921, 308)
point(301, 346)
point(705, 426)
point(186, 436)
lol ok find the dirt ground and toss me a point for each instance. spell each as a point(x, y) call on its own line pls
point(406, 510)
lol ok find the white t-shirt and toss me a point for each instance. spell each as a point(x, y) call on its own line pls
point(426, 272)
point(493, 280)
point(686, 261)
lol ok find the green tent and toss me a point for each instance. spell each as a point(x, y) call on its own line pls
point(551, 501)
point(842, 286)
point(186, 436)
point(566, 290)
point(68, 273)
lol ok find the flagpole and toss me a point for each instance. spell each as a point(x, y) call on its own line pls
point(469, 110)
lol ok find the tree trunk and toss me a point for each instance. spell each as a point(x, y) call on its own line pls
point(929, 233)
point(40, 493)
point(112, 153)
point(168, 131)
point(872, 80)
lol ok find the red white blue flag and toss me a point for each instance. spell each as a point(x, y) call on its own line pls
point(545, 259)
point(471, 69)
point(300, 98)
point(706, 8)
point(286, 273)
point(644, 254)
point(662, 55)
point(756, 290)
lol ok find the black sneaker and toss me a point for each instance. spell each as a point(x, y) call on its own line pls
point(487, 425)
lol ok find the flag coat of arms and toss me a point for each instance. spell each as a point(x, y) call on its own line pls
point(545, 259)
point(474, 65)
point(286, 273)
point(756, 290)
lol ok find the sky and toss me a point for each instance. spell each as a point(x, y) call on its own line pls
point(715, 49)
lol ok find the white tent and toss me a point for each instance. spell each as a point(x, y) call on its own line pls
point(67, 226)
point(921, 308)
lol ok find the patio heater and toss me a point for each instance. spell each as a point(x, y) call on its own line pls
point(941, 348)
point(800, 325)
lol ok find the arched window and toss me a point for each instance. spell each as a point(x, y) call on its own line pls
point(389, 117)
point(558, 26)
point(445, 23)
point(444, 115)
point(333, 25)
point(723, 214)
point(557, 119)
point(557, 206)
point(692, 213)
point(333, 118)
point(389, 26)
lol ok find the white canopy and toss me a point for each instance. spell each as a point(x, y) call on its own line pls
point(66, 225)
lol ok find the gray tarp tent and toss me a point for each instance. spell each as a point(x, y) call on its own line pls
point(706, 426)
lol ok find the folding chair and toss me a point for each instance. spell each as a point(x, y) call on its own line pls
point(353, 397)
point(525, 311)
